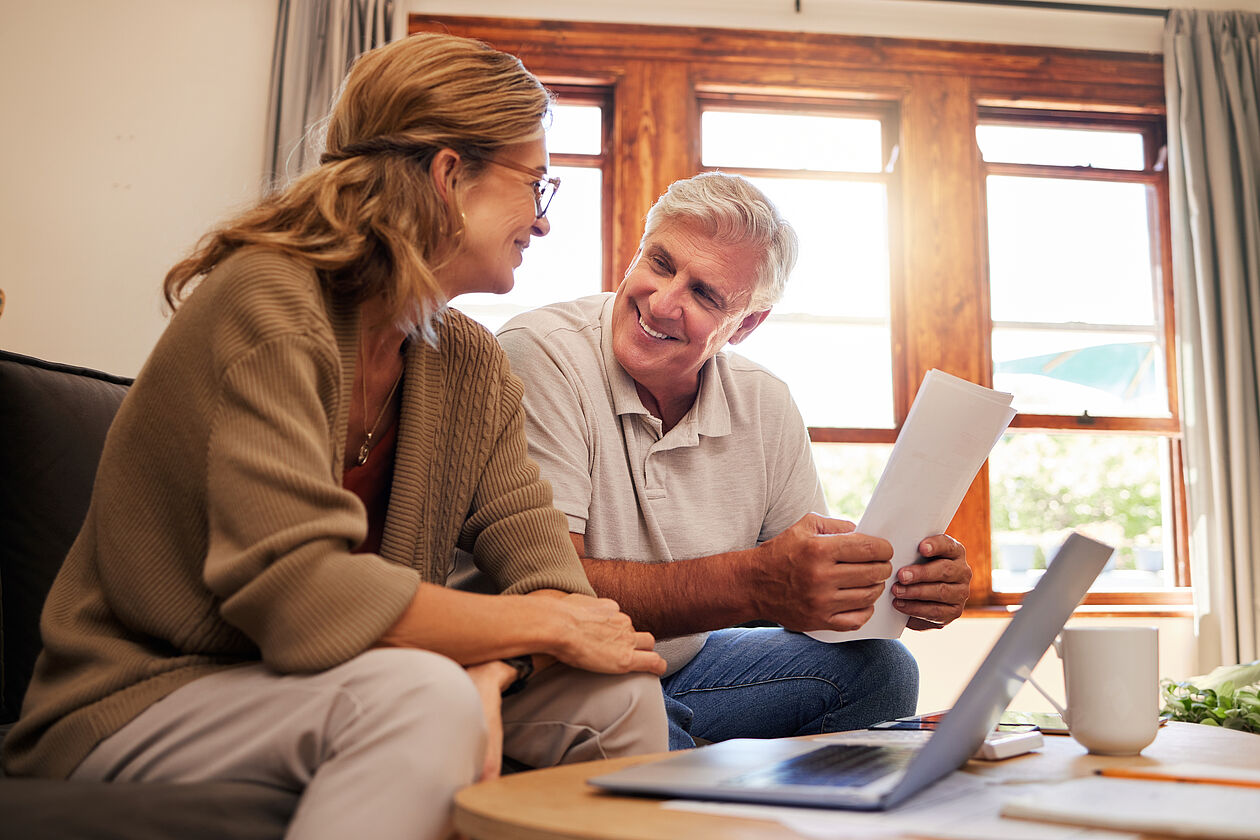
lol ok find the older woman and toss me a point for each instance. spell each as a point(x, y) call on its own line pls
point(258, 590)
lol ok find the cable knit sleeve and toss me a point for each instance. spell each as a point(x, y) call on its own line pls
point(514, 532)
point(280, 527)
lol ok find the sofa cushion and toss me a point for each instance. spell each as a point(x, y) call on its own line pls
point(38, 809)
point(53, 419)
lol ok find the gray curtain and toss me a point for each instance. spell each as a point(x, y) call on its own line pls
point(1212, 74)
point(316, 42)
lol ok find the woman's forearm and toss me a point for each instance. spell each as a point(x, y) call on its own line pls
point(578, 630)
point(471, 628)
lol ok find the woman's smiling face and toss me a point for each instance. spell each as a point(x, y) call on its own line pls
point(500, 218)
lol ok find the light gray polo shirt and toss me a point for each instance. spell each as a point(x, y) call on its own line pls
point(736, 471)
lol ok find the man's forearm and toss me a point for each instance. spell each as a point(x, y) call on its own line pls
point(816, 575)
point(686, 596)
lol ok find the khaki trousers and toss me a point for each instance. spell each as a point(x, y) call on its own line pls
point(379, 744)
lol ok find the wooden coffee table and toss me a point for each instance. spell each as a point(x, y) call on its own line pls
point(557, 802)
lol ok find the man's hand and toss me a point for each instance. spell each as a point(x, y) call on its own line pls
point(819, 575)
point(599, 637)
point(491, 678)
point(933, 593)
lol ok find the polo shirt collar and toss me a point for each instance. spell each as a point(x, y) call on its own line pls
point(710, 415)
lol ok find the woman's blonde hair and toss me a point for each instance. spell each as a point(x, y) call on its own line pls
point(370, 219)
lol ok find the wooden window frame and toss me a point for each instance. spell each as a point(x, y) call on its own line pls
point(1154, 176)
point(657, 76)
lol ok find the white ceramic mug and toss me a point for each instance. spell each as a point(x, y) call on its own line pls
point(1111, 675)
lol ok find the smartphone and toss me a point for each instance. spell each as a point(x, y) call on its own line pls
point(1050, 723)
point(932, 720)
point(1005, 741)
point(929, 721)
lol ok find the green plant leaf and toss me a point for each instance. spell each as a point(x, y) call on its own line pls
point(1220, 698)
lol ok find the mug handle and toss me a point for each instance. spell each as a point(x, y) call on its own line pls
point(1062, 711)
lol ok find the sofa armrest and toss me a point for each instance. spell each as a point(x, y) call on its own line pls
point(55, 418)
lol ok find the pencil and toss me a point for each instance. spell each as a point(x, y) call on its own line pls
point(1198, 774)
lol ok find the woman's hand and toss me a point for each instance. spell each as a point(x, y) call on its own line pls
point(491, 678)
point(595, 635)
point(588, 633)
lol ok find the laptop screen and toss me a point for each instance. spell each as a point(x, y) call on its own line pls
point(1003, 672)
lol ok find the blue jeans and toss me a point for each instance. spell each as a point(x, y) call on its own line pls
point(766, 682)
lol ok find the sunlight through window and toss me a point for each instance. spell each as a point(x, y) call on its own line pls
point(829, 337)
point(1078, 334)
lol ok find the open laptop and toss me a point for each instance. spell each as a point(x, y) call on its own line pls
point(871, 777)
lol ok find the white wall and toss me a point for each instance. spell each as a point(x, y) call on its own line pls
point(130, 127)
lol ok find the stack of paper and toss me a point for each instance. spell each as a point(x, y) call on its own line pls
point(950, 430)
point(1225, 812)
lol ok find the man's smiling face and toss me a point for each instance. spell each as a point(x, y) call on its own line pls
point(684, 297)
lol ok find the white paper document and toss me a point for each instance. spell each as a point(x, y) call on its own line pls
point(959, 807)
point(950, 430)
point(1177, 808)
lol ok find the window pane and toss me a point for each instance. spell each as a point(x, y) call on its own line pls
point(1061, 146)
point(842, 227)
point(768, 140)
point(1113, 488)
point(1070, 372)
point(832, 324)
point(576, 129)
point(838, 373)
point(849, 473)
point(565, 264)
point(1063, 250)
point(1074, 253)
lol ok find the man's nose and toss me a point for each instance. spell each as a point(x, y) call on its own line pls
point(666, 301)
point(541, 227)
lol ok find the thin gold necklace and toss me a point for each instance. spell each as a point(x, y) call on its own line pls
point(366, 448)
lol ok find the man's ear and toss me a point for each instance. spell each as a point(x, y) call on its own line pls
point(443, 169)
point(751, 322)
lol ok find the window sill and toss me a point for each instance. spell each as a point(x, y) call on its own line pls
point(1094, 611)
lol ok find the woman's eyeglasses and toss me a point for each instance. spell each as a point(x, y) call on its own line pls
point(544, 188)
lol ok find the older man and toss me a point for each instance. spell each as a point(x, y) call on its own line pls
point(690, 489)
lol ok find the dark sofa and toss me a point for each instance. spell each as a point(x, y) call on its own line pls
point(53, 421)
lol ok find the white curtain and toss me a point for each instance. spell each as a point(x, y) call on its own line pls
point(1212, 74)
point(316, 42)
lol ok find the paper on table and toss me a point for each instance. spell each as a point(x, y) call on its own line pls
point(956, 791)
point(1175, 808)
point(959, 807)
point(951, 428)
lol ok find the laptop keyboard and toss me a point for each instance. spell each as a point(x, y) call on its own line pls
point(835, 765)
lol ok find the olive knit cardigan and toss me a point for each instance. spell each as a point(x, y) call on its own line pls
point(219, 532)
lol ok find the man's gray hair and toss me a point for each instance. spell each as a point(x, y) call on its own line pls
point(733, 211)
